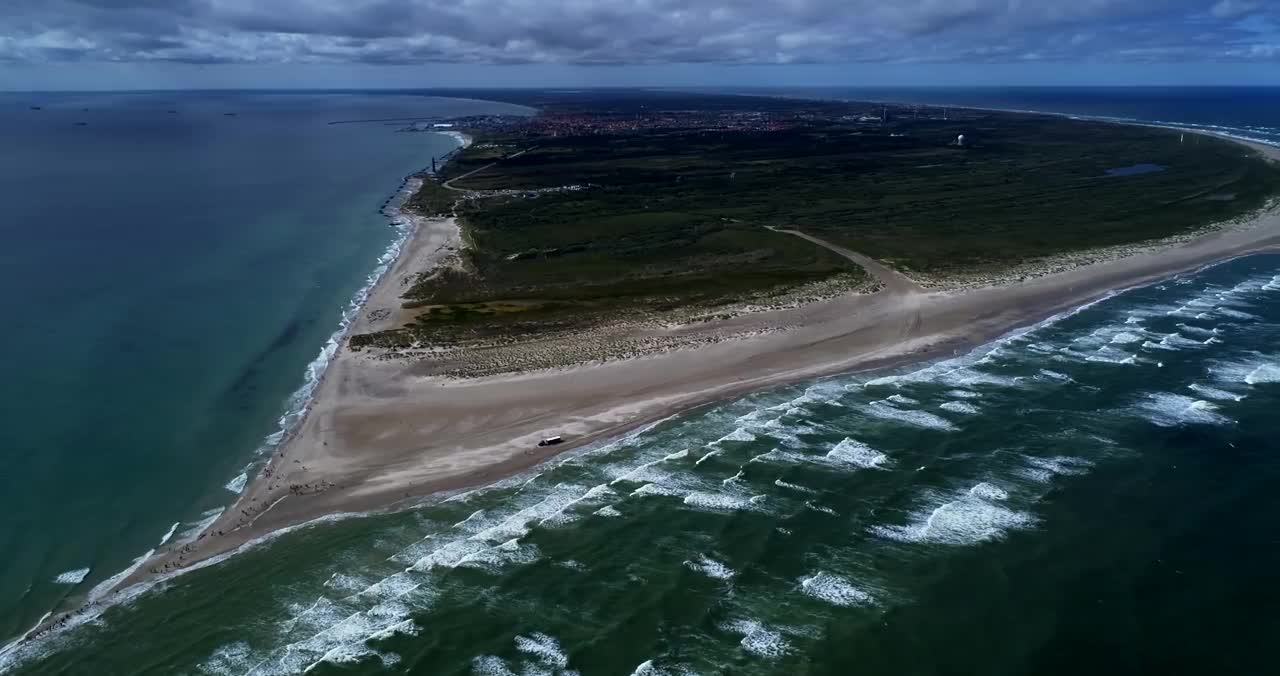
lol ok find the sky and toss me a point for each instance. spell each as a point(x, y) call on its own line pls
point(162, 44)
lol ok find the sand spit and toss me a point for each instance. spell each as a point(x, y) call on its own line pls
point(381, 434)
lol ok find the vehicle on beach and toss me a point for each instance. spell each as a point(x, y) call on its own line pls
point(551, 441)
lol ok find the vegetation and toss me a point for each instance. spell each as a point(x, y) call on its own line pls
point(433, 199)
point(676, 217)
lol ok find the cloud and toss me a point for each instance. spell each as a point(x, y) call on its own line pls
point(635, 31)
point(1232, 9)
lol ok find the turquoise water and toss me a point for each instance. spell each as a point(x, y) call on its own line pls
point(168, 277)
point(1089, 492)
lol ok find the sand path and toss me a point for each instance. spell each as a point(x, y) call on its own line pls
point(893, 281)
point(448, 185)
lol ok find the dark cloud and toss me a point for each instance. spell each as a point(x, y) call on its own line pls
point(637, 31)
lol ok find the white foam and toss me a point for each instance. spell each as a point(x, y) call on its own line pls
point(544, 648)
point(658, 489)
point(1110, 355)
point(1214, 393)
point(649, 668)
point(884, 410)
point(1169, 410)
point(820, 508)
point(490, 665)
point(1199, 331)
point(209, 517)
point(608, 511)
point(1236, 314)
point(1124, 338)
point(899, 399)
point(835, 590)
point(986, 491)
point(738, 434)
point(967, 519)
point(825, 392)
point(758, 639)
point(1044, 470)
point(169, 534)
point(346, 583)
point(649, 471)
point(707, 456)
point(1260, 369)
point(795, 487)
point(237, 484)
point(1264, 373)
point(233, 658)
point(711, 568)
point(517, 525)
point(718, 502)
point(1179, 341)
point(960, 407)
point(856, 454)
point(964, 394)
point(72, 576)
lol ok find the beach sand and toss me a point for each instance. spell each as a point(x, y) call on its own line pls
point(382, 434)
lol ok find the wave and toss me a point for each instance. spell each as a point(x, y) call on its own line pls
point(71, 576)
point(835, 590)
point(544, 648)
point(237, 484)
point(1264, 373)
point(1170, 410)
point(969, 518)
point(542, 655)
point(208, 517)
point(1215, 393)
point(172, 529)
point(649, 668)
point(711, 568)
point(856, 454)
point(758, 639)
point(1044, 470)
point(960, 407)
point(884, 410)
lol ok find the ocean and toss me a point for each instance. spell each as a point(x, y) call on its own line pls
point(1251, 113)
point(1093, 493)
point(173, 266)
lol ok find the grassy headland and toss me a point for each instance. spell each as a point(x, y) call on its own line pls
point(634, 207)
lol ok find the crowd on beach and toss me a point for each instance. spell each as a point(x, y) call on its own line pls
point(246, 514)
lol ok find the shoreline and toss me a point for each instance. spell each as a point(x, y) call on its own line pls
point(358, 447)
point(124, 585)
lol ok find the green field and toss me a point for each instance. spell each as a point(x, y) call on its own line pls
point(676, 217)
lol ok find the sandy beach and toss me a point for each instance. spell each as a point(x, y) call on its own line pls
point(383, 434)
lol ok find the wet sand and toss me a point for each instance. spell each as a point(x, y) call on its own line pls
point(382, 434)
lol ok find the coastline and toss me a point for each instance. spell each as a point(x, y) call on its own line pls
point(377, 435)
point(123, 585)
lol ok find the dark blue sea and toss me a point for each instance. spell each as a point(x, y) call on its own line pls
point(1246, 112)
point(1093, 494)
